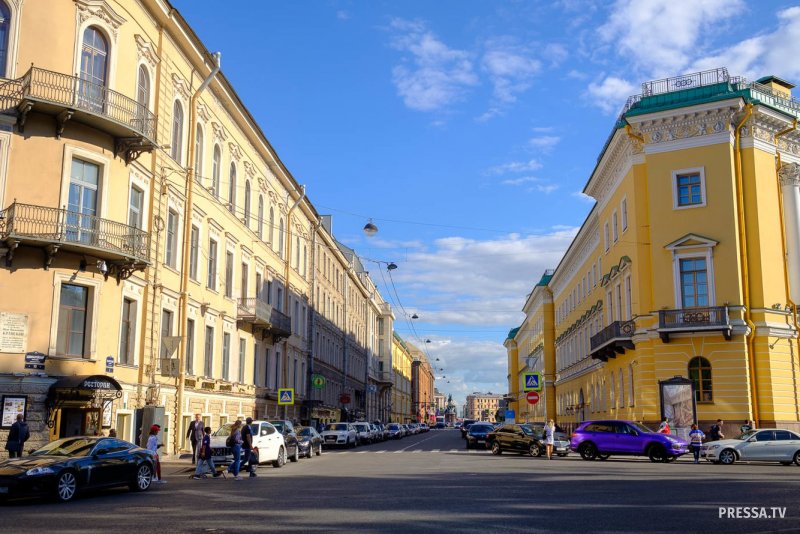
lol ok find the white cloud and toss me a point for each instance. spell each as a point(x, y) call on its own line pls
point(515, 166)
point(510, 69)
point(556, 53)
point(520, 181)
point(433, 75)
point(469, 366)
point(545, 143)
point(610, 94)
point(546, 188)
point(583, 196)
point(342, 15)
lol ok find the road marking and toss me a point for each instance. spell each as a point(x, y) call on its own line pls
point(399, 452)
point(379, 452)
point(416, 451)
point(435, 450)
point(362, 452)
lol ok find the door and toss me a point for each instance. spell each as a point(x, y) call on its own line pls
point(71, 423)
point(786, 444)
point(82, 202)
point(111, 463)
point(94, 70)
point(759, 447)
point(627, 440)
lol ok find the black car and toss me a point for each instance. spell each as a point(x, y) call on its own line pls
point(476, 435)
point(465, 426)
point(286, 428)
point(309, 441)
point(66, 466)
point(516, 438)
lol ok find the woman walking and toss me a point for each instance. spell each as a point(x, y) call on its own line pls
point(153, 446)
point(549, 437)
point(696, 438)
point(236, 449)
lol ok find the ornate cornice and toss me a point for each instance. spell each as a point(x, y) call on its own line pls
point(789, 174)
point(614, 164)
point(99, 9)
point(146, 50)
point(685, 125)
point(249, 169)
point(584, 244)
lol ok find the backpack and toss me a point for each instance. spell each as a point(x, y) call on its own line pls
point(229, 441)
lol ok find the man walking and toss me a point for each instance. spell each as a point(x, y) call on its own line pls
point(17, 437)
point(716, 431)
point(247, 446)
point(195, 433)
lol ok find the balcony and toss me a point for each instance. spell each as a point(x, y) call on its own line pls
point(124, 248)
point(612, 340)
point(713, 319)
point(262, 315)
point(67, 97)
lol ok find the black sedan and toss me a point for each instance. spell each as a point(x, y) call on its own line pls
point(516, 438)
point(286, 428)
point(64, 467)
point(477, 433)
point(309, 441)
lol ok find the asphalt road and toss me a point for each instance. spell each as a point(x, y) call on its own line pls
point(430, 482)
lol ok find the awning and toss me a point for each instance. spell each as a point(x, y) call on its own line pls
point(80, 391)
point(85, 382)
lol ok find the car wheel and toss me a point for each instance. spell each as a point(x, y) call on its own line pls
point(496, 448)
point(603, 456)
point(670, 458)
point(66, 486)
point(144, 477)
point(797, 458)
point(319, 450)
point(281, 460)
point(296, 456)
point(656, 453)
point(588, 451)
point(727, 457)
point(535, 450)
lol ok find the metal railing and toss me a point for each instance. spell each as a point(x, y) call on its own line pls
point(686, 81)
point(253, 307)
point(690, 318)
point(59, 225)
point(616, 330)
point(76, 93)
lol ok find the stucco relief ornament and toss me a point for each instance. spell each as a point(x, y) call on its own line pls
point(146, 50)
point(790, 174)
point(202, 112)
point(219, 132)
point(719, 126)
point(99, 9)
point(657, 137)
point(180, 86)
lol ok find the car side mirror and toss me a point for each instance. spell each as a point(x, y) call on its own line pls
point(263, 432)
point(751, 440)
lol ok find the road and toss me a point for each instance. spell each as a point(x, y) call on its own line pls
point(430, 482)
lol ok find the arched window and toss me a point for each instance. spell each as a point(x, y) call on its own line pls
point(297, 253)
point(198, 155)
point(215, 170)
point(247, 203)
point(700, 374)
point(94, 69)
point(271, 226)
point(260, 231)
point(280, 239)
point(5, 26)
point(143, 87)
point(177, 131)
point(232, 189)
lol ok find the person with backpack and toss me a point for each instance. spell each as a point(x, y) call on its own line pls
point(715, 434)
point(205, 456)
point(247, 446)
point(234, 441)
point(696, 438)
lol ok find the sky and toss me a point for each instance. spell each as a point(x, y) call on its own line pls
point(466, 130)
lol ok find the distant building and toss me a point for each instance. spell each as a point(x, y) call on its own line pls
point(482, 406)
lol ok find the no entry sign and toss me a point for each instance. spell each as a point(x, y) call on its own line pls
point(532, 397)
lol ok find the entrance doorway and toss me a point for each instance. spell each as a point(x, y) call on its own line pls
point(79, 422)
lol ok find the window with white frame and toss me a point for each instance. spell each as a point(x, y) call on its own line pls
point(198, 154)
point(694, 282)
point(630, 385)
point(229, 274)
point(189, 354)
point(211, 281)
point(171, 246)
point(226, 356)
point(135, 207)
point(194, 251)
point(208, 353)
point(127, 341)
point(615, 226)
point(606, 237)
point(624, 212)
point(176, 149)
point(166, 331)
point(242, 358)
point(216, 169)
point(689, 188)
point(73, 310)
point(628, 298)
point(232, 189)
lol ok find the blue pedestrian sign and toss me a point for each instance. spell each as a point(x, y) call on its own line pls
point(533, 381)
point(286, 396)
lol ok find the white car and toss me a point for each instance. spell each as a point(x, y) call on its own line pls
point(268, 444)
point(363, 432)
point(766, 445)
point(342, 434)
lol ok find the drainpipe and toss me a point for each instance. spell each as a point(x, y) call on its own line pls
point(287, 284)
point(187, 226)
point(312, 320)
point(737, 161)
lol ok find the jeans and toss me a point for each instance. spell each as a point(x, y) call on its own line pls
point(202, 461)
point(237, 458)
point(696, 451)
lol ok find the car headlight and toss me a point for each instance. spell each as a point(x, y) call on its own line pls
point(712, 447)
point(36, 471)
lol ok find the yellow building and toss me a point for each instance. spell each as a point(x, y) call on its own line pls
point(402, 410)
point(482, 406)
point(159, 259)
point(677, 298)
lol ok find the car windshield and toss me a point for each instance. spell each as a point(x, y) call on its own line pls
point(526, 430)
point(224, 430)
point(560, 436)
point(279, 425)
point(336, 427)
point(67, 447)
point(747, 435)
point(476, 427)
point(306, 432)
point(640, 427)
point(393, 427)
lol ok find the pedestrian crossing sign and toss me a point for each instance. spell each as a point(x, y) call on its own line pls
point(286, 396)
point(533, 382)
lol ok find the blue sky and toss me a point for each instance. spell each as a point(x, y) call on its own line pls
point(466, 130)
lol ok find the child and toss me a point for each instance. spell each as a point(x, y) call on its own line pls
point(205, 455)
point(153, 445)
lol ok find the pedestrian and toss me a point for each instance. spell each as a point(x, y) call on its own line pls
point(549, 438)
point(247, 446)
point(17, 437)
point(235, 440)
point(205, 456)
point(195, 434)
point(664, 427)
point(153, 446)
point(747, 427)
point(715, 434)
point(112, 433)
point(696, 438)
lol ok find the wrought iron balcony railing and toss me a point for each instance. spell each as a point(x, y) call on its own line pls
point(132, 124)
point(713, 319)
point(256, 311)
point(612, 340)
point(61, 228)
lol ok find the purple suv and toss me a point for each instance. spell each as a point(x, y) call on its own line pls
point(601, 439)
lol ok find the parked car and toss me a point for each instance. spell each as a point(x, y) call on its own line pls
point(439, 425)
point(560, 444)
point(395, 430)
point(406, 430)
point(465, 426)
point(363, 433)
point(309, 441)
point(423, 427)
point(67, 466)
point(600, 439)
point(339, 434)
point(515, 438)
point(286, 428)
point(476, 435)
point(375, 432)
point(456, 425)
point(766, 445)
point(269, 444)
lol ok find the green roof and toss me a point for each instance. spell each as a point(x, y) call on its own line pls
point(548, 274)
point(513, 333)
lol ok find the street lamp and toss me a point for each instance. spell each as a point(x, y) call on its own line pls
point(370, 229)
point(391, 266)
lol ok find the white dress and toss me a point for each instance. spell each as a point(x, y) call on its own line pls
point(548, 436)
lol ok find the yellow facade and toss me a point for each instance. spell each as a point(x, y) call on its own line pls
point(678, 270)
point(402, 403)
point(482, 406)
point(155, 244)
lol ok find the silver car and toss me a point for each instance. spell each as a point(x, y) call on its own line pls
point(341, 434)
point(766, 445)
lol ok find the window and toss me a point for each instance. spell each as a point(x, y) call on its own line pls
point(135, 215)
point(94, 69)
point(82, 203)
point(194, 250)
point(232, 189)
point(208, 353)
point(694, 283)
point(689, 188)
point(215, 170)
point(621, 390)
point(305, 260)
point(242, 358)
point(260, 231)
point(211, 282)
point(247, 203)
point(296, 318)
point(226, 356)
point(166, 331)
point(177, 131)
point(143, 99)
point(258, 285)
point(615, 226)
point(618, 296)
point(5, 27)
point(700, 375)
point(198, 155)
point(189, 356)
point(630, 384)
point(624, 210)
point(271, 225)
point(628, 299)
point(279, 299)
point(127, 332)
point(172, 239)
point(269, 292)
point(280, 239)
point(266, 366)
point(72, 314)
point(605, 236)
point(229, 274)
point(297, 253)
point(245, 276)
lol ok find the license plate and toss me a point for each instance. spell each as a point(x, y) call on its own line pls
point(561, 449)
